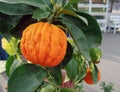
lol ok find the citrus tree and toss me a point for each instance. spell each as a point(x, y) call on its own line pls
point(52, 45)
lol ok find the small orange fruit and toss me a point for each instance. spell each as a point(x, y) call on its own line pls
point(88, 78)
point(44, 44)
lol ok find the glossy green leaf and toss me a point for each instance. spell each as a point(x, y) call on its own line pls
point(78, 36)
point(15, 9)
point(76, 19)
point(67, 90)
point(26, 78)
point(92, 31)
point(92, 35)
point(72, 69)
point(37, 3)
point(41, 13)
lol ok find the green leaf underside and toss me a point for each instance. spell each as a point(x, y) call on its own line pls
point(26, 78)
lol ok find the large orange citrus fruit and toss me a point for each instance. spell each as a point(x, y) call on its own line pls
point(44, 44)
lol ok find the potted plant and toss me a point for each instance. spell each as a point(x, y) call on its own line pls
point(52, 45)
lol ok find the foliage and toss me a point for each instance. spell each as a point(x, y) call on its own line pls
point(11, 47)
point(83, 34)
point(107, 87)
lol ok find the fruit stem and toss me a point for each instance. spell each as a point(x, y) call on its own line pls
point(51, 18)
point(55, 13)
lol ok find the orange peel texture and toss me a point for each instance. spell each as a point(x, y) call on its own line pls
point(44, 44)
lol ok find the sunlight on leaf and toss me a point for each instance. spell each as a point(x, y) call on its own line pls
point(11, 46)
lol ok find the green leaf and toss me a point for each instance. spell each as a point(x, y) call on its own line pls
point(57, 2)
point(4, 27)
point(11, 20)
point(92, 35)
point(14, 65)
point(92, 31)
point(26, 78)
point(79, 21)
point(16, 9)
point(72, 69)
point(95, 54)
point(68, 90)
point(74, 3)
point(48, 88)
point(82, 71)
point(47, 2)
point(69, 12)
point(75, 6)
point(41, 13)
point(25, 21)
point(78, 37)
point(10, 47)
point(94, 72)
point(9, 63)
point(37, 3)
point(56, 75)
